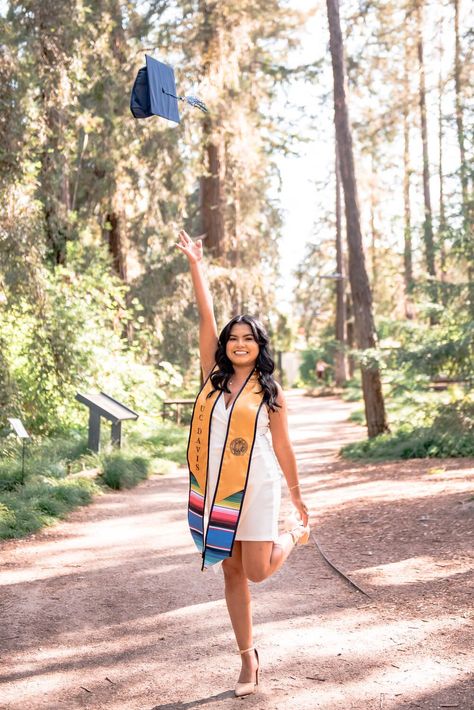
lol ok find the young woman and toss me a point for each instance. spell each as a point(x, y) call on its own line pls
point(235, 483)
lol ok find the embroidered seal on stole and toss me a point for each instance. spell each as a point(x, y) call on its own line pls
point(238, 447)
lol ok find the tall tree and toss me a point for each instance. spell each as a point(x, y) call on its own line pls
point(230, 44)
point(442, 222)
point(212, 191)
point(407, 227)
point(459, 111)
point(428, 236)
point(340, 375)
point(360, 289)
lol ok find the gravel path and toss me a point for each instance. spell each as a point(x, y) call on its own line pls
point(109, 609)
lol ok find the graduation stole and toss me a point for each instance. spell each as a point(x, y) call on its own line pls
point(216, 543)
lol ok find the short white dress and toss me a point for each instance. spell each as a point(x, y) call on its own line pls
point(261, 506)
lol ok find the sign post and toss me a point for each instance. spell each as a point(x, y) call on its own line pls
point(20, 431)
point(102, 405)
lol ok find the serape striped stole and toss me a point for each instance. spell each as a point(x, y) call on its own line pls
point(216, 542)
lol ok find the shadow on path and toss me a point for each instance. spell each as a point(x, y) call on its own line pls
point(113, 600)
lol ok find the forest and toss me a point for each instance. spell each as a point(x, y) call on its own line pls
point(94, 295)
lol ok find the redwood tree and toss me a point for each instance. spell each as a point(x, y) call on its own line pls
point(360, 289)
point(428, 220)
point(340, 356)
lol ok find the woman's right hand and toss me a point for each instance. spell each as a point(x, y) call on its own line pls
point(193, 250)
point(299, 505)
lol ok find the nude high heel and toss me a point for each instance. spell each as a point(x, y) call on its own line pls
point(242, 689)
point(299, 532)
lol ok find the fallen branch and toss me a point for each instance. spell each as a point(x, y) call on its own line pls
point(341, 574)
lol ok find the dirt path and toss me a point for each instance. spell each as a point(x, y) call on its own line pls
point(110, 609)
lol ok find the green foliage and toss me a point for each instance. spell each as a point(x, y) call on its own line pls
point(41, 501)
point(75, 326)
point(442, 430)
point(77, 164)
point(168, 442)
point(352, 391)
point(309, 359)
point(120, 470)
point(50, 458)
point(47, 494)
point(11, 475)
point(443, 349)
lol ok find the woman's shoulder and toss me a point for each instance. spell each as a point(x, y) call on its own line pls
point(280, 393)
point(279, 400)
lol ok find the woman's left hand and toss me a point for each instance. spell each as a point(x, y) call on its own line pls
point(299, 505)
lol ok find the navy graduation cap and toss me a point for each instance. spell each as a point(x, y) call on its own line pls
point(154, 93)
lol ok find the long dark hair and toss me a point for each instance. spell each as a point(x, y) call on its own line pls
point(264, 365)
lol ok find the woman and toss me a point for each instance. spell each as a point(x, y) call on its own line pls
point(235, 483)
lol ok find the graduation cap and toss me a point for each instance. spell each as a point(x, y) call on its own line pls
point(154, 92)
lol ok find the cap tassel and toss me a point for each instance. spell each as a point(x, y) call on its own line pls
point(191, 100)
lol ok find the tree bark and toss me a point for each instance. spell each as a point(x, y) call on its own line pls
point(360, 289)
point(428, 219)
point(407, 239)
point(467, 200)
point(340, 374)
point(350, 335)
point(212, 187)
point(115, 240)
point(459, 111)
point(373, 228)
point(442, 226)
point(213, 180)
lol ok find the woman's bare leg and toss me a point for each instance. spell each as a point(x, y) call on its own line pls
point(262, 559)
point(237, 596)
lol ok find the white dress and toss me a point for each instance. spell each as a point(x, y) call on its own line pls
point(261, 506)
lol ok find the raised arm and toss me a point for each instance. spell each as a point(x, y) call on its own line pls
point(207, 322)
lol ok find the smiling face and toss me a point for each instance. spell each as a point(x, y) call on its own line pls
point(241, 347)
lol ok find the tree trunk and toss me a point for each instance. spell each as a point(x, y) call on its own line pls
point(113, 230)
point(407, 250)
point(350, 335)
point(442, 226)
point(213, 180)
point(373, 229)
point(459, 112)
point(428, 220)
point(467, 201)
point(6, 385)
point(361, 295)
point(212, 200)
point(340, 375)
point(53, 183)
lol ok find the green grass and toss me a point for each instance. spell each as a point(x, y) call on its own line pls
point(407, 443)
point(168, 442)
point(47, 495)
point(352, 391)
point(39, 502)
point(422, 429)
point(122, 471)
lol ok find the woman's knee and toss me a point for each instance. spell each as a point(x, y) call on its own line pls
point(256, 573)
point(256, 560)
point(233, 571)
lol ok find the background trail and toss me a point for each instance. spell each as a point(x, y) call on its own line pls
point(109, 609)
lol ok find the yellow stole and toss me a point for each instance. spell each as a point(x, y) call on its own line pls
point(217, 542)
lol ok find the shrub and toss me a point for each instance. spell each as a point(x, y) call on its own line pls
point(447, 431)
point(168, 442)
point(122, 471)
point(41, 501)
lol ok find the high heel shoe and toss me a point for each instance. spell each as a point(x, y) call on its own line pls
point(299, 532)
point(242, 689)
